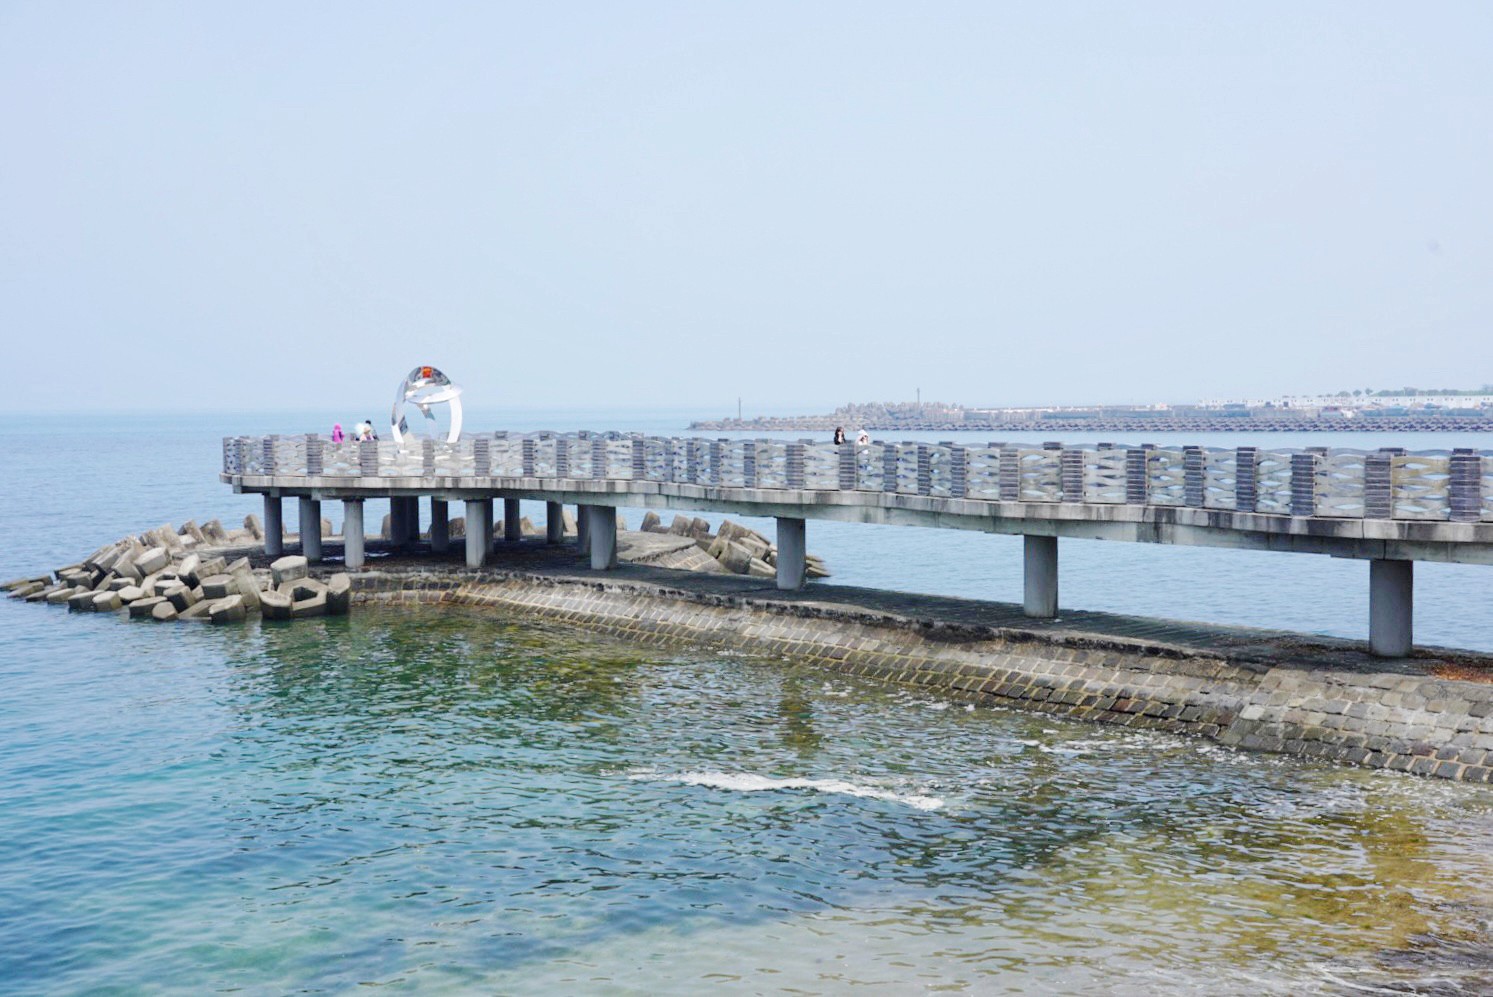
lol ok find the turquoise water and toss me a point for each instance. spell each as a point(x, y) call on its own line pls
point(455, 802)
point(445, 802)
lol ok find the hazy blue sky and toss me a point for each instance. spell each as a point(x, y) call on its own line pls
point(238, 205)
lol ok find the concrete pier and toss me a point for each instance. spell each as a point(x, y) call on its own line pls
point(512, 529)
point(440, 526)
point(554, 523)
point(583, 527)
point(792, 553)
point(274, 527)
point(310, 516)
point(603, 537)
point(352, 533)
point(1337, 503)
point(1391, 607)
point(479, 531)
point(1040, 555)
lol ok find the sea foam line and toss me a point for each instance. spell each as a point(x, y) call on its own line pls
point(747, 782)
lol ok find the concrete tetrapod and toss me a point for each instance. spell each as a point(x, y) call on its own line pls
point(145, 607)
point(339, 594)
point(196, 612)
point(227, 610)
point(315, 605)
point(163, 611)
point(288, 569)
point(216, 587)
point(274, 605)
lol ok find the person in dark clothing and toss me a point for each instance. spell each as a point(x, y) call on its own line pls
point(839, 435)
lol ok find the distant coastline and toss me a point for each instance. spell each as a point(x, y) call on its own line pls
point(1408, 413)
point(1385, 424)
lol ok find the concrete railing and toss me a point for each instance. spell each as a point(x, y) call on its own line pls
point(1435, 485)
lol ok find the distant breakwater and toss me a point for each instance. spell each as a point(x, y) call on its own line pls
point(1089, 427)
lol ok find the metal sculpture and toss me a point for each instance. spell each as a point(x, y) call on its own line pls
point(422, 388)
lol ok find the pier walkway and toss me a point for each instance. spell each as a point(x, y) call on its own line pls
point(1388, 507)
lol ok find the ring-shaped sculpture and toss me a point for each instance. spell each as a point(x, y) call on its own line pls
point(424, 387)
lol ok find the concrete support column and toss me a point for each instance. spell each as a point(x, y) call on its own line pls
point(274, 527)
point(583, 527)
point(397, 529)
point(1391, 607)
point(410, 519)
point(1040, 600)
point(310, 514)
point(440, 526)
point(511, 530)
point(479, 531)
point(554, 523)
point(352, 533)
point(603, 537)
point(792, 554)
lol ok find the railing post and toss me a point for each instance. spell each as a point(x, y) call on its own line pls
point(368, 458)
point(599, 457)
point(749, 463)
point(1070, 474)
point(958, 472)
point(482, 461)
point(314, 462)
point(889, 467)
point(1010, 474)
point(692, 461)
point(1465, 487)
point(717, 459)
point(639, 459)
point(1137, 482)
point(1192, 477)
point(847, 467)
point(795, 470)
point(1246, 478)
point(526, 455)
point(267, 452)
point(562, 457)
point(1304, 484)
point(1378, 496)
point(427, 458)
point(925, 470)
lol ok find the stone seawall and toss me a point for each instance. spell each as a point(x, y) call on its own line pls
point(1312, 698)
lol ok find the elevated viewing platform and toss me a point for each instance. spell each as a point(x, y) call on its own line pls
point(1389, 506)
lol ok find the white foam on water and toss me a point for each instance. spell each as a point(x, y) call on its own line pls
point(747, 782)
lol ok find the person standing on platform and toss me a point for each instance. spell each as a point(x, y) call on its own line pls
point(839, 435)
point(337, 435)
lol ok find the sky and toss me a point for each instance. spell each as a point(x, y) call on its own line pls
point(259, 207)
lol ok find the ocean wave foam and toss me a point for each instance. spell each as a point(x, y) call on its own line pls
point(746, 782)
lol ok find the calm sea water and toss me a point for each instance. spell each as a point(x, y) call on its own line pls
point(454, 802)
